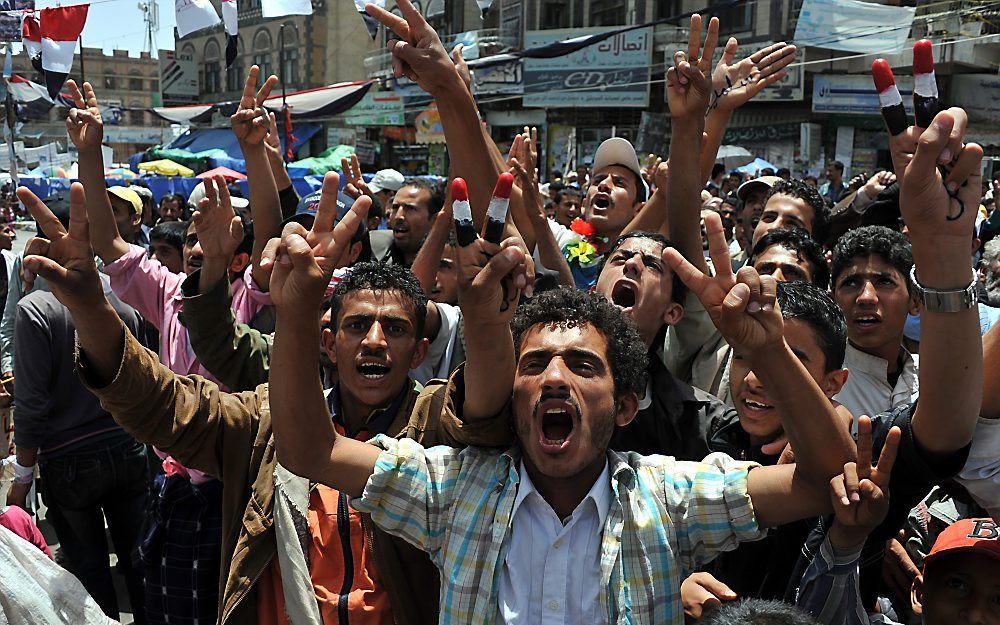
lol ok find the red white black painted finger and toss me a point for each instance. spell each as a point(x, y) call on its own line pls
point(465, 229)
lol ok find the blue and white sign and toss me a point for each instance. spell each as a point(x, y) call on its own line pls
point(854, 94)
point(853, 26)
point(613, 72)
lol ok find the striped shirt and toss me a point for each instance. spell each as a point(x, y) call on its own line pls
point(666, 519)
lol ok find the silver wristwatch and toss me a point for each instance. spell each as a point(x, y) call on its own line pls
point(955, 300)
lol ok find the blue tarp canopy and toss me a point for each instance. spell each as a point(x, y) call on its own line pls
point(203, 139)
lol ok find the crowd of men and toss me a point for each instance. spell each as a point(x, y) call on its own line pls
point(666, 394)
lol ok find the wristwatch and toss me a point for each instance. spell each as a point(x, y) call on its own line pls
point(937, 300)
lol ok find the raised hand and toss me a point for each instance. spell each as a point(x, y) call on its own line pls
point(743, 307)
point(689, 81)
point(251, 122)
point(653, 163)
point(356, 185)
point(701, 593)
point(84, 123)
point(272, 143)
point(462, 66)
point(860, 495)
point(220, 230)
point(64, 258)
point(416, 49)
point(938, 201)
point(302, 261)
point(735, 84)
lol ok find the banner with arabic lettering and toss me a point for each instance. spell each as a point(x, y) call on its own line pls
point(613, 72)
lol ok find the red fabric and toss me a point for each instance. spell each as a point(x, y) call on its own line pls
point(18, 521)
point(64, 23)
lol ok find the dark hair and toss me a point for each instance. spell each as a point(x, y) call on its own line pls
point(810, 195)
point(887, 244)
point(569, 307)
point(574, 191)
point(679, 289)
point(733, 201)
point(814, 307)
point(838, 166)
point(805, 247)
point(758, 612)
point(173, 197)
point(436, 201)
point(717, 169)
point(376, 276)
point(170, 232)
point(783, 171)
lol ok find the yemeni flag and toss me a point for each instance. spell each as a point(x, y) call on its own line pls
point(31, 37)
point(61, 27)
point(229, 18)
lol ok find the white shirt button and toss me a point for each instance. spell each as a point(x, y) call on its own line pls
point(557, 544)
point(553, 605)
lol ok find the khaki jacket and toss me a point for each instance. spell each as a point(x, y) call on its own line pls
point(229, 436)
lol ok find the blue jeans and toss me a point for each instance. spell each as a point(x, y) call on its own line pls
point(108, 480)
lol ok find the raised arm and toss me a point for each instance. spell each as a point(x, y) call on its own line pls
point(991, 374)
point(303, 262)
point(745, 311)
point(940, 212)
point(418, 54)
point(689, 86)
point(252, 124)
point(86, 130)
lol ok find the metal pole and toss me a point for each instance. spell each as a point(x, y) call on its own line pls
point(281, 76)
point(12, 125)
point(83, 73)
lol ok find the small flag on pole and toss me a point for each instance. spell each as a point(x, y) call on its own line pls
point(230, 19)
point(31, 36)
point(61, 27)
point(370, 22)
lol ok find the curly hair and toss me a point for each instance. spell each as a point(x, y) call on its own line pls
point(759, 612)
point(805, 247)
point(814, 307)
point(810, 195)
point(887, 244)
point(568, 307)
point(375, 276)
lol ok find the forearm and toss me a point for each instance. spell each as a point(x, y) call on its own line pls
point(213, 270)
point(104, 237)
point(489, 369)
point(951, 351)
point(467, 146)
point(428, 260)
point(821, 443)
point(715, 128)
point(100, 334)
point(549, 253)
point(281, 178)
point(684, 193)
point(27, 456)
point(265, 207)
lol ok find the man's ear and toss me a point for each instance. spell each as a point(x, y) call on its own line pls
point(673, 314)
point(638, 207)
point(917, 595)
point(419, 353)
point(239, 263)
point(628, 407)
point(914, 305)
point(328, 342)
point(834, 381)
point(355, 251)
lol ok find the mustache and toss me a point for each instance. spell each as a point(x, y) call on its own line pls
point(544, 397)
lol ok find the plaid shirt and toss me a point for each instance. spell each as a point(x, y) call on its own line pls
point(666, 519)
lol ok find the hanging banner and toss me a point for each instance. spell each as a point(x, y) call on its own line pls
point(376, 109)
point(854, 94)
point(853, 26)
point(281, 8)
point(428, 124)
point(192, 15)
point(613, 72)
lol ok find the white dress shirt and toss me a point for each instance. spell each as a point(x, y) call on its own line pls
point(552, 572)
point(867, 391)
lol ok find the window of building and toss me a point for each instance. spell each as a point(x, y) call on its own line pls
point(137, 117)
point(262, 52)
point(737, 17)
point(290, 58)
point(135, 84)
point(110, 82)
point(555, 14)
point(607, 12)
point(213, 67)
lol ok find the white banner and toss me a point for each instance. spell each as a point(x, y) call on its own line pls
point(279, 8)
point(194, 15)
point(853, 26)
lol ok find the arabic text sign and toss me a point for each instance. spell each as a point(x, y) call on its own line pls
point(854, 94)
point(613, 72)
point(853, 26)
point(978, 94)
point(376, 109)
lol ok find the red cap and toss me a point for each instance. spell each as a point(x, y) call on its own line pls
point(504, 183)
point(967, 536)
point(923, 57)
point(459, 191)
point(882, 75)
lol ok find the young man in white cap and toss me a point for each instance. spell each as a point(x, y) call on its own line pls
point(384, 185)
point(615, 194)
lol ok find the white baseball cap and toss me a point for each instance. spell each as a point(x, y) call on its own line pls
point(386, 180)
point(618, 151)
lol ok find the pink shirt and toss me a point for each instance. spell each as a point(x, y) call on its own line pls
point(18, 521)
point(153, 290)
